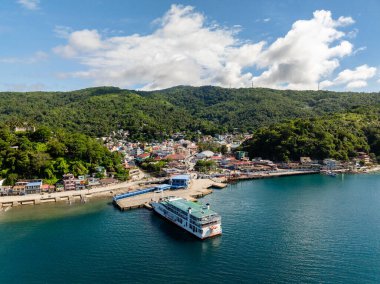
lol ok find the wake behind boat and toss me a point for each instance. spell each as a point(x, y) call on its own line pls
point(195, 218)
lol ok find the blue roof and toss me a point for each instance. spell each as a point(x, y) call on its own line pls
point(34, 183)
point(186, 177)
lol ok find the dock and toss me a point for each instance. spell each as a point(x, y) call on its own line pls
point(280, 173)
point(197, 189)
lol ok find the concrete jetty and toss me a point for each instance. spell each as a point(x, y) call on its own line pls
point(279, 173)
point(197, 189)
point(82, 195)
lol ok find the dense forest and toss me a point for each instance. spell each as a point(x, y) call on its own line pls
point(339, 136)
point(48, 154)
point(157, 114)
point(286, 124)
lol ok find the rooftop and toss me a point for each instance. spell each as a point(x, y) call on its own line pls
point(198, 210)
point(186, 177)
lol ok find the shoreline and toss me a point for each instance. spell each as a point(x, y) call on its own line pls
point(197, 188)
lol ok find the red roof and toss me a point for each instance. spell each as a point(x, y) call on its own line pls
point(144, 155)
point(176, 157)
point(216, 158)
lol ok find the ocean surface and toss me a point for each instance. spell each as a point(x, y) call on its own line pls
point(304, 229)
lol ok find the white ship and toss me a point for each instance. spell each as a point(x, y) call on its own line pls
point(195, 218)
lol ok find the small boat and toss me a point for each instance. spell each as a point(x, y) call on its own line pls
point(331, 174)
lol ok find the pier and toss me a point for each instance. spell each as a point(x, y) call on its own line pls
point(279, 173)
point(197, 189)
point(74, 195)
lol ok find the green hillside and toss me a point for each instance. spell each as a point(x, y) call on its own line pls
point(151, 115)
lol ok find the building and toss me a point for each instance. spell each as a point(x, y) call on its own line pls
point(331, 164)
point(305, 160)
point(180, 181)
point(240, 155)
point(69, 182)
point(364, 158)
point(205, 154)
point(33, 187)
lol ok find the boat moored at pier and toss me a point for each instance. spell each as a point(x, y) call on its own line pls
point(195, 218)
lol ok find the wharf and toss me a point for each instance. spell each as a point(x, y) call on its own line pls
point(270, 175)
point(197, 189)
point(83, 195)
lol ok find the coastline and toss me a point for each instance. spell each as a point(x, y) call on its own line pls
point(197, 188)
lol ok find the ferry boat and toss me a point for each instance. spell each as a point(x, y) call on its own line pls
point(195, 218)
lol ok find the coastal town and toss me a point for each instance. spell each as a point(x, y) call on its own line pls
point(179, 156)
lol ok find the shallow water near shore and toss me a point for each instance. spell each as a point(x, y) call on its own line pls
point(293, 229)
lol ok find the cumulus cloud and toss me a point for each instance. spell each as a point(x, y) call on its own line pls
point(352, 79)
point(184, 49)
point(309, 51)
point(29, 4)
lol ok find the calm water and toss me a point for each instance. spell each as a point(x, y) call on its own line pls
point(314, 229)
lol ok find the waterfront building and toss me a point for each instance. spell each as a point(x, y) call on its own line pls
point(180, 181)
point(69, 182)
point(33, 187)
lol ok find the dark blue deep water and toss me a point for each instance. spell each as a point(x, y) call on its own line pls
point(305, 229)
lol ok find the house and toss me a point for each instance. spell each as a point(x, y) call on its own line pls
point(331, 164)
point(305, 160)
point(47, 188)
point(33, 187)
point(69, 182)
point(175, 157)
point(19, 188)
point(205, 154)
point(93, 181)
point(143, 157)
point(240, 155)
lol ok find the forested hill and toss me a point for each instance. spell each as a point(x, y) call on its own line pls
point(147, 115)
point(250, 108)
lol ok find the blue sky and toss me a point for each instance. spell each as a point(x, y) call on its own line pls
point(290, 44)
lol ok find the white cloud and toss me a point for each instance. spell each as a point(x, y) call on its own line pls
point(352, 79)
point(185, 50)
point(36, 57)
point(306, 54)
point(29, 4)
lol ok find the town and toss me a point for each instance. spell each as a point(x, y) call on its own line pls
point(209, 157)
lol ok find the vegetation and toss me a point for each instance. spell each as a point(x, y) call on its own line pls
point(340, 136)
point(205, 166)
point(49, 154)
point(153, 166)
point(247, 109)
point(287, 124)
point(158, 114)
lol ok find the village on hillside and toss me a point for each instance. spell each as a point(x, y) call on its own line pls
point(209, 157)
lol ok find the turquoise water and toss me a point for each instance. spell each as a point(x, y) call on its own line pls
point(314, 229)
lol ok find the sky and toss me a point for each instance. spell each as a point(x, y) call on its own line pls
point(54, 45)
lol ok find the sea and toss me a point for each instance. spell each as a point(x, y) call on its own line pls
point(300, 229)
